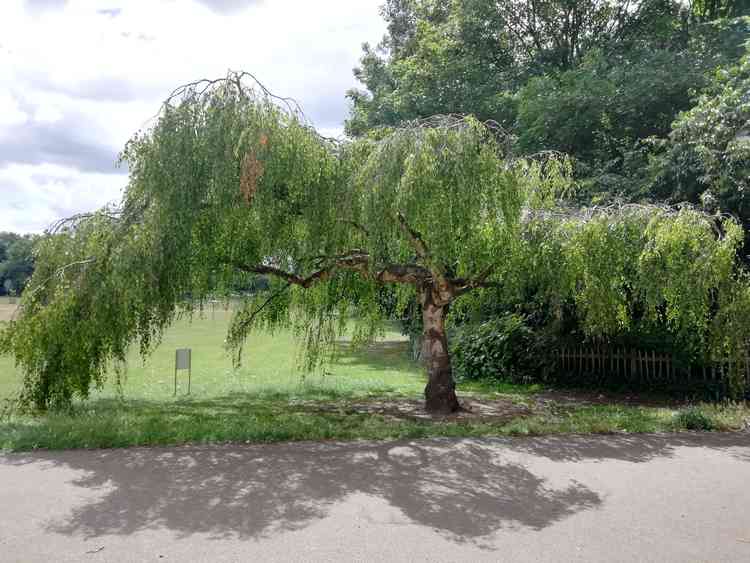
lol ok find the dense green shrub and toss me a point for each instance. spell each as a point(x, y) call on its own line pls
point(692, 418)
point(502, 348)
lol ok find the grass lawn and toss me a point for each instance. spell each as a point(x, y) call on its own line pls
point(269, 367)
point(269, 399)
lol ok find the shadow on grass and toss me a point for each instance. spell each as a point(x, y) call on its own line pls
point(462, 490)
point(391, 355)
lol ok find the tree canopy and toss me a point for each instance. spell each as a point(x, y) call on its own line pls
point(475, 57)
point(232, 183)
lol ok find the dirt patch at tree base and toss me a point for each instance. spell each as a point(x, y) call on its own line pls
point(484, 409)
point(472, 409)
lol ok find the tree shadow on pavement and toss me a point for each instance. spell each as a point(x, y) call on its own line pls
point(465, 490)
point(462, 490)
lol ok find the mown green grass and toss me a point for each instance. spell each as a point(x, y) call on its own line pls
point(270, 365)
point(10, 378)
point(109, 423)
point(269, 399)
point(606, 419)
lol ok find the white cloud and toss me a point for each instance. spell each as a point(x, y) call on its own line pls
point(48, 113)
point(10, 111)
point(78, 78)
point(33, 197)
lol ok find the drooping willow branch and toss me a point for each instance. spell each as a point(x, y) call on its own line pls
point(619, 209)
point(247, 322)
point(203, 88)
point(70, 223)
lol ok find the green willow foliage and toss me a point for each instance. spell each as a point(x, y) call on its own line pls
point(107, 280)
point(654, 266)
point(229, 180)
point(230, 183)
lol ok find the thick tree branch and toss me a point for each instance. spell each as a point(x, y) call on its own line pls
point(356, 225)
point(388, 273)
point(402, 273)
point(416, 239)
point(462, 286)
point(414, 274)
point(291, 278)
point(422, 251)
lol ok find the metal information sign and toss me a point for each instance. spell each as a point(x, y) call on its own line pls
point(183, 360)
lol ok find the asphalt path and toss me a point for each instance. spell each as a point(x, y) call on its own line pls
point(679, 497)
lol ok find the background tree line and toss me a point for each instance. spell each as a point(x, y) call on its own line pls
point(16, 262)
point(623, 86)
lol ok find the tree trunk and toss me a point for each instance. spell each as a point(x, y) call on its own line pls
point(440, 393)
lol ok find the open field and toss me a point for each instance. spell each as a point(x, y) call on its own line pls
point(363, 393)
point(6, 309)
point(9, 376)
point(269, 367)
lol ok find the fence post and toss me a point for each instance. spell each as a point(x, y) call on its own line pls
point(670, 368)
point(629, 367)
point(639, 366)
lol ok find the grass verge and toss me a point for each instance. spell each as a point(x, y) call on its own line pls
point(267, 400)
point(110, 423)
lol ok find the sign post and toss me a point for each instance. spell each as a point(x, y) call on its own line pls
point(183, 360)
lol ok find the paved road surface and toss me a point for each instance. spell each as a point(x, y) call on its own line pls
point(609, 498)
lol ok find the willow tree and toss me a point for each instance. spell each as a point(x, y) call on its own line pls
point(231, 181)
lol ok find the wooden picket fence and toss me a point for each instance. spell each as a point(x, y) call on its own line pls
point(641, 366)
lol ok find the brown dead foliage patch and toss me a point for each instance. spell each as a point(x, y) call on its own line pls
point(252, 171)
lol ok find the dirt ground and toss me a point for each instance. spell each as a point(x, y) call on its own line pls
point(500, 409)
point(581, 398)
point(473, 408)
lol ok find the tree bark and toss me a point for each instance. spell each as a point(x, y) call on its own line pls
point(440, 393)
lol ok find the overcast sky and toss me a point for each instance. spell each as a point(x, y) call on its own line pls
point(79, 77)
